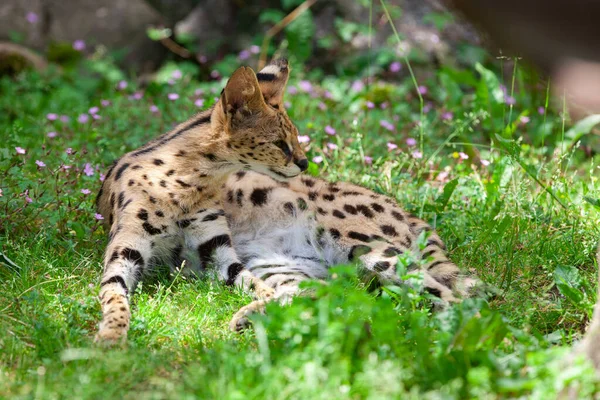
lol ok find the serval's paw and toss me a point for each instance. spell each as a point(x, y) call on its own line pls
point(241, 321)
point(262, 290)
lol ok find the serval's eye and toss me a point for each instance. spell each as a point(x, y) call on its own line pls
point(282, 144)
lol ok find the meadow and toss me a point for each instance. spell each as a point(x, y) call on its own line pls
point(481, 151)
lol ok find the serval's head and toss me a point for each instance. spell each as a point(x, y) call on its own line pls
point(251, 115)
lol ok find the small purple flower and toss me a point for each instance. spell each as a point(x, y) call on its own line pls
point(524, 119)
point(332, 146)
point(153, 109)
point(303, 139)
point(357, 86)
point(28, 199)
point(69, 150)
point(198, 92)
point(20, 150)
point(485, 163)
point(541, 110)
point(136, 96)
point(317, 159)
point(510, 100)
point(254, 49)
point(122, 85)
point(384, 105)
point(427, 107)
point(417, 154)
point(463, 156)
point(395, 67)
point(173, 96)
point(391, 146)
point(386, 124)
point(66, 167)
point(199, 103)
point(83, 118)
point(86, 191)
point(368, 160)
point(102, 177)
point(292, 90)
point(244, 55)
point(40, 163)
point(93, 110)
point(287, 104)
point(99, 217)
point(329, 130)
point(32, 17)
point(305, 86)
point(177, 74)
point(370, 105)
point(64, 119)
point(96, 116)
point(79, 45)
point(52, 116)
point(327, 94)
point(422, 89)
point(215, 74)
point(322, 106)
point(88, 170)
point(411, 141)
point(104, 103)
point(51, 134)
point(0, 192)
point(447, 116)
point(203, 59)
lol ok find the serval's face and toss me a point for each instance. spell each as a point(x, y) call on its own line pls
point(260, 134)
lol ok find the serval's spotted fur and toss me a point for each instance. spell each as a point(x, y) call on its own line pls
point(220, 191)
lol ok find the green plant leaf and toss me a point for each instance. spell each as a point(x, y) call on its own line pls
point(568, 281)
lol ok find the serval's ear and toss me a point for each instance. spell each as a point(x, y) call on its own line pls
point(272, 80)
point(242, 96)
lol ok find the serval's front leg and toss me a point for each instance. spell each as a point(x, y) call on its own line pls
point(209, 233)
point(127, 257)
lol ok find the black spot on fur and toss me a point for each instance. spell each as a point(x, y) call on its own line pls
point(435, 264)
point(152, 200)
point(211, 157)
point(131, 182)
point(170, 172)
point(152, 230)
point(181, 153)
point(313, 195)
point(338, 214)
point(128, 202)
point(398, 215)
point(112, 200)
point(351, 193)
point(321, 211)
point(358, 250)
point(364, 210)
point(116, 279)
point(182, 183)
point(121, 200)
point(335, 233)
point(142, 214)
point(308, 182)
point(136, 167)
point(233, 270)
point(159, 213)
point(114, 256)
point(328, 197)
point(206, 249)
point(213, 216)
point(259, 196)
point(301, 204)
point(230, 196)
point(435, 242)
point(120, 171)
point(239, 197)
point(359, 236)
point(133, 255)
point(158, 162)
point(381, 266)
point(391, 252)
point(350, 209)
point(163, 183)
point(428, 253)
point(377, 207)
point(289, 208)
point(184, 223)
point(388, 230)
point(240, 174)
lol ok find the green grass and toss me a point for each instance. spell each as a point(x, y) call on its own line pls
point(527, 224)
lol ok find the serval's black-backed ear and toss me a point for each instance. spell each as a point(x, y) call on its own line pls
point(242, 95)
point(272, 80)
